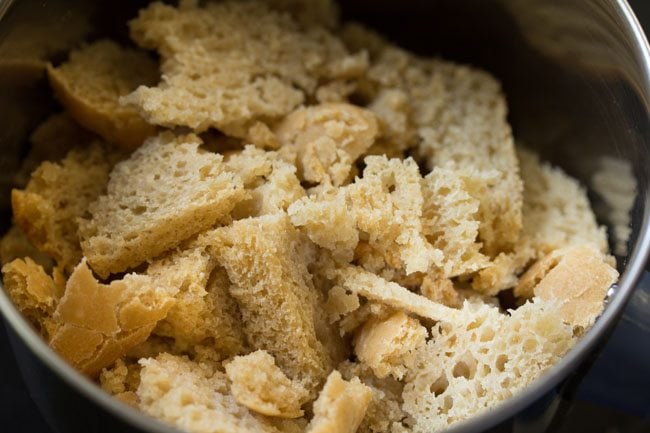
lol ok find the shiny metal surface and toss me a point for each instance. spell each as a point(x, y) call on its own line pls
point(577, 77)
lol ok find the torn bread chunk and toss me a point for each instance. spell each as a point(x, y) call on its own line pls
point(57, 195)
point(260, 65)
point(91, 82)
point(193, 397)
point(370, 286)
point(34, 293)
point(203, 310)
point(15, 245)
point(341, 405)
point(441, 291)
point(328, 221)
point(382, 344)
point(576, 277)
point(556, 214)
point(167, 191)
point(258, 384)
point(327, 139)
point(451, 221)
point(458, 114)
point(121, 381)
point(98, 323)
point(387, 203)
point(485, 358)
point(271, 181)
point(266, 259)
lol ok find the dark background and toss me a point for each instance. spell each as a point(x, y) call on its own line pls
point(613, 397)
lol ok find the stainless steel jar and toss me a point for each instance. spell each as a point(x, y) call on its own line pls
point(577, 77)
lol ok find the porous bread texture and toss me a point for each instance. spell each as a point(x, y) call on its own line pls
point(56, 195)
point(576, 277)
point(328, 221)
point(341, 405)
point(457, 115)
point(382, 344)
point(363, 283)
point(98, 323)
point(166, 192)
point(483, 359)
point(15, 245)
point(384, 413)
point(441, 291)
point(556, 214)
point(203, 310)
point(257, 383)
point(51, 141)
point(193, 397)
point(229, 65)
point(34, 293)
point(327, 139)
point(91, 82)
point(266, 260)
point(451, 220)
point(271, 182)
point(121, 381)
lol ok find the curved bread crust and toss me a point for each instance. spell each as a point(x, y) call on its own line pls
point(90, 84)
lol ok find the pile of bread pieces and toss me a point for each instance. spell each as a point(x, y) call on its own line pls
point(261, 219)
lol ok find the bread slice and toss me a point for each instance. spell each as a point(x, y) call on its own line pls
point(56, 196)
point(327, 139)
point(258, 384)
point(193, 397)
point(341, 406)
point(259, 65)
point(203, 310)
point(166, 192)
point(89, 86)
point(266, 260)
point(486, 357)
point(382, 343)
point(98, 323)
point(556, 214)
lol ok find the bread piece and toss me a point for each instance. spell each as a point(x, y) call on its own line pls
point(272, 182)
point(340, 303)
point(451, 220)
point(485, 358)
point(34, 293)
point(121, 381)
point(15, 245)
point(327, 140)
point(341, 406)
point(578, 277)
point(370, 286)
point(260, 65)
point(328, 221)
point(393, 108)
point(99, 323)
point(192, 397)
point(441, 291)
point(51, 141)
point(384, 413)
point(381, 344)
point(56, 196)
point(89, 86)
point(167, 191)
point(266, 260)
point(258, 384)
point(556, 214)
point(203, 311)
point(387, 205)
point(459, 116)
